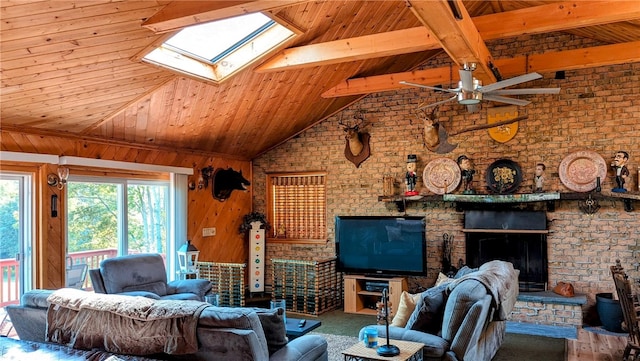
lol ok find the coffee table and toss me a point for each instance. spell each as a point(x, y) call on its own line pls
point(293, 330)
point(409, 351)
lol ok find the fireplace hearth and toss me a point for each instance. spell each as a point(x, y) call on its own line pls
point(519, 237)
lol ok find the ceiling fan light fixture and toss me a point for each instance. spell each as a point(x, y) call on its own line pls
point(469, 98)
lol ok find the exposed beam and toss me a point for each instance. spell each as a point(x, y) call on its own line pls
point(451, 24)
point(533, 20)
point(555, 17)
point(547, 62)
point(358, 48)
point(179, 14)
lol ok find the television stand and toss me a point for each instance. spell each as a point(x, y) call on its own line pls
point(358, 299)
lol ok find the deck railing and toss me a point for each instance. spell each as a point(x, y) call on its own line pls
point(10, 272)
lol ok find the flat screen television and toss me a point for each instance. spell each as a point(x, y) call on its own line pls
point(381, 245)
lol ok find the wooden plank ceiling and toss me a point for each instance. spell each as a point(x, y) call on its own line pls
point(69, 67)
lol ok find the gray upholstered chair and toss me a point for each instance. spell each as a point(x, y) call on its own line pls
point(144, 275)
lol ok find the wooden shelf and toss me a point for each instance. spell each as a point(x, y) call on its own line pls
point(475, 198)
point(625, 195)
point(549, 198)
point(501, 198)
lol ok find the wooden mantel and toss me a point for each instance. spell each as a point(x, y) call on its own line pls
point(401, 200)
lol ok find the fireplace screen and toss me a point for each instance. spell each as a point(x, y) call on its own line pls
point(514, 236)
point(527, 252)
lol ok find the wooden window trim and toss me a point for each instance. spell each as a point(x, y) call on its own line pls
point(271, 177)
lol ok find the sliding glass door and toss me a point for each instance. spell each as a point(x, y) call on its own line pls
point(16, 236)
point(107, 217)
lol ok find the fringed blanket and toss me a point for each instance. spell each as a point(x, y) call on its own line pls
point(501, 281)
point(122, 324)
point(21, 350)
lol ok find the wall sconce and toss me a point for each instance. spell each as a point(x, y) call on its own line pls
point(63, 174)
point(191, 185)
point(52, 180)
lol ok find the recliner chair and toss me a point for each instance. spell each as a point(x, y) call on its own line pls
point(144, 275)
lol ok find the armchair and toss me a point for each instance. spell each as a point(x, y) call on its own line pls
point(144, 275)
point(464, 319)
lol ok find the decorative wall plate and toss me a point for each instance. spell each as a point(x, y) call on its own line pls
point(503, 176)
point(579, 171)
point(441, 175)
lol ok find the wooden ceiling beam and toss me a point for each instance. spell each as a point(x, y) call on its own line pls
point(547, 62)
point(359, 48)
point(179, 14)
point(559, 16)
point(451, 24)
point(533, 20)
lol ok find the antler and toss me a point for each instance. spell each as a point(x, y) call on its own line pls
point(434, 112)
point(359, 121)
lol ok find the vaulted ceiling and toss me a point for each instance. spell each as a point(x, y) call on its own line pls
point(73, 68)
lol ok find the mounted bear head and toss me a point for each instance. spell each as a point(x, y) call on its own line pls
point(226, 181)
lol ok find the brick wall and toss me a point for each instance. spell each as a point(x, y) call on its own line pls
point(547, 313)
point(598, 109)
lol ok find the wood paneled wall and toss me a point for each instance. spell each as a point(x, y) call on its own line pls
point(203, 210)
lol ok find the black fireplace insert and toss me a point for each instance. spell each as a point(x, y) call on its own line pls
point(519, 237)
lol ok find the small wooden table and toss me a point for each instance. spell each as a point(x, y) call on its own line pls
point(293, 330)
point(409, 351)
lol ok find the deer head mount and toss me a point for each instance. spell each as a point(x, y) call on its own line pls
point(436, 137)
point(356, 148)
point(434, 134)
point(431, 126)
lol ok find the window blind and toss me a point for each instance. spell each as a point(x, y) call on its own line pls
point(298, 206)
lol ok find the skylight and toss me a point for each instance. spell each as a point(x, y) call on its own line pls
point(217, 50)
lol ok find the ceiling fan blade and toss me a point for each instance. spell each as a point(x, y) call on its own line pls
point(420, 106)
point(501, 99)
point(466, 79)
point(525, 91)
point(509, 82)
point(429, 87)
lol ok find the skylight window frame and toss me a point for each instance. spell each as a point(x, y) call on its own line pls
point(242, 42)
point(213, 70)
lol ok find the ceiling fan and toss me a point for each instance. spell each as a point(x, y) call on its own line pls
point(471, 92)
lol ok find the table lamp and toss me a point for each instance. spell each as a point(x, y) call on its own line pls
point(388, 349)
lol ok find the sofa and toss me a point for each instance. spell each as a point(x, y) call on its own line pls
point(191, 330)
point(144, 275)
point(463, 318)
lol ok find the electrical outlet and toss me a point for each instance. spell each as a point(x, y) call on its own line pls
point(209, 232)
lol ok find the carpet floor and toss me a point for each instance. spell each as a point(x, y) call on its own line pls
point(516, 347)
point(341, 330)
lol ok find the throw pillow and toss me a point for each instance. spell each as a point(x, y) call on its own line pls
point(274, 328)
point(427, 316)
point(405, 308)
point(442, 278)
